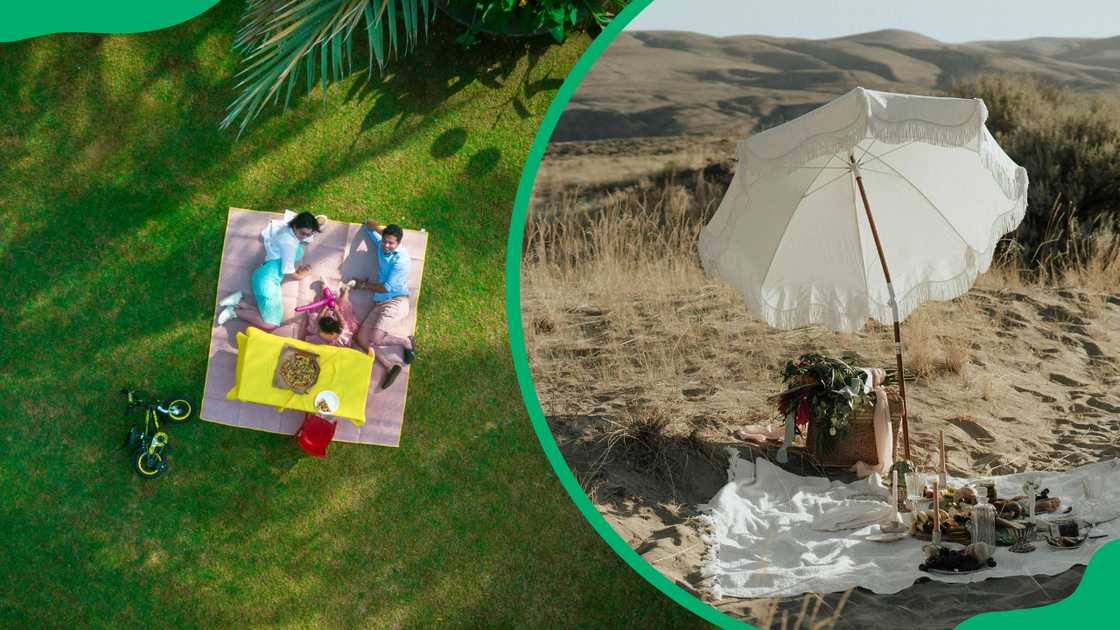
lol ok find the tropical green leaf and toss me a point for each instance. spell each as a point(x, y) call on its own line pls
point(277, 37)
point(391, 12)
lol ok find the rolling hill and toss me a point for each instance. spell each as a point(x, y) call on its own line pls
point(669, 83)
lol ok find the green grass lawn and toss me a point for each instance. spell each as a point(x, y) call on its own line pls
point(114, 189)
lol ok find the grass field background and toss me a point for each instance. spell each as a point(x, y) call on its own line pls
point(114, 184)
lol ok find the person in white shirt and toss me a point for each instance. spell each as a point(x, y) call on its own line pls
point(283, 241)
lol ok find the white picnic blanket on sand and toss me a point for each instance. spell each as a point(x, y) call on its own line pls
point(763, 543)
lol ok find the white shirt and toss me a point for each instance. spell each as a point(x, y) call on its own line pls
point(281, 242)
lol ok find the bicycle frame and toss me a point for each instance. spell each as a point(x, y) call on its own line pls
point(150, 406)
point(151, 417)
point(159, 440)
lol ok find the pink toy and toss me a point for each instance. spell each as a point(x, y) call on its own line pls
point(328, 300)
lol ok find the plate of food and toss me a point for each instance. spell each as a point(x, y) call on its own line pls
point(1066, 542)
point(1069, 533)
point(954, 526)
point(297, 370)
point(944, 560)
point(326, 403)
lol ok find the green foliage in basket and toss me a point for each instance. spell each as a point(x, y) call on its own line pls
point(837, 392)
point(904, 467)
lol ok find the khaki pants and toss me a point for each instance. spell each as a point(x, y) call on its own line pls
point(385, 317)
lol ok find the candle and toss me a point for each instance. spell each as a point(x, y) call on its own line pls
point(936, 512)
point(894, 489)
point(941, 452)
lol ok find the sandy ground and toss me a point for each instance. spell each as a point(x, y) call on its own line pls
point(1039, 393)
point(1017, 376)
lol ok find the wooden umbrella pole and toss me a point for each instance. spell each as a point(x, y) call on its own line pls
point(894, 305)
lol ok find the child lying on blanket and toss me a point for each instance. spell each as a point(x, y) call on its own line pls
point(333, 326)
point(336, 327)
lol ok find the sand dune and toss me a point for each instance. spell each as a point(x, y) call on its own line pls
point(667, 83)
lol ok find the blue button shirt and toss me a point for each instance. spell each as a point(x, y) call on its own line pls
point(392, 269)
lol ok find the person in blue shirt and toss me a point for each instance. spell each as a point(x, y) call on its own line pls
point(391, 304)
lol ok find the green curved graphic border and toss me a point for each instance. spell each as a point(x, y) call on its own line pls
point(21, 20)
point(1090, 601)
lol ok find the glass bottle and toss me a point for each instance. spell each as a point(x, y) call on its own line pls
point(984, 521)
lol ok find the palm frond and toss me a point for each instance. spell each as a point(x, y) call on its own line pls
point(279, 39)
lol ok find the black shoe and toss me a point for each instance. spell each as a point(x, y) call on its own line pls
point(390, 376)
point(410, 353)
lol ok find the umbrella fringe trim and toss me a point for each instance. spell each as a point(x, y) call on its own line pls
point(866, 123)
point(914, 130)
point(830, 315)
point(1009, 176)
point(821, 144)
point(848, 138)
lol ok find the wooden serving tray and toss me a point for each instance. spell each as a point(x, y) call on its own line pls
point(959, 536)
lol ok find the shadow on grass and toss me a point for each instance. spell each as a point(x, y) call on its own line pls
point(102, 186)
point(121, 182)
point(390, 522)
point(417, 85)
point(84, 212)
point(449, 143)
point(404, 105)
point(121, 293)
point(484, 161)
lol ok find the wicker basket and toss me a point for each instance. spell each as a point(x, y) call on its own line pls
point(859, 444)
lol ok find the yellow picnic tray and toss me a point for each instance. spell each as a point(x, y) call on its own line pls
point(344, 371)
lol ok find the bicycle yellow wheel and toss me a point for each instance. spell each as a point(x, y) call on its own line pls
point(150, 464)
point(180, 410)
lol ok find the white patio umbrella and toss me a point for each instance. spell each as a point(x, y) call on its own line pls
point(796, 235)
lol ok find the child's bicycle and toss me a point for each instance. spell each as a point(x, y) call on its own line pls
point(148, 444)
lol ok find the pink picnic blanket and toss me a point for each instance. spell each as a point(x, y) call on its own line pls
point(341, 251)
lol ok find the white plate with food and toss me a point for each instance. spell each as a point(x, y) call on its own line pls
point(326, 402)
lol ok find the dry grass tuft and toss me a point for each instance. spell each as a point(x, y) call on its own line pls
point(644, 429)
point(1095, 264)
point(590, 483)
point(642, 435)
point(813, 613)
point(921, 348)
point(958, 353)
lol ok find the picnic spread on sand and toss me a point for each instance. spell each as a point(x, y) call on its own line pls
point(864, 209)
point(315, 324)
